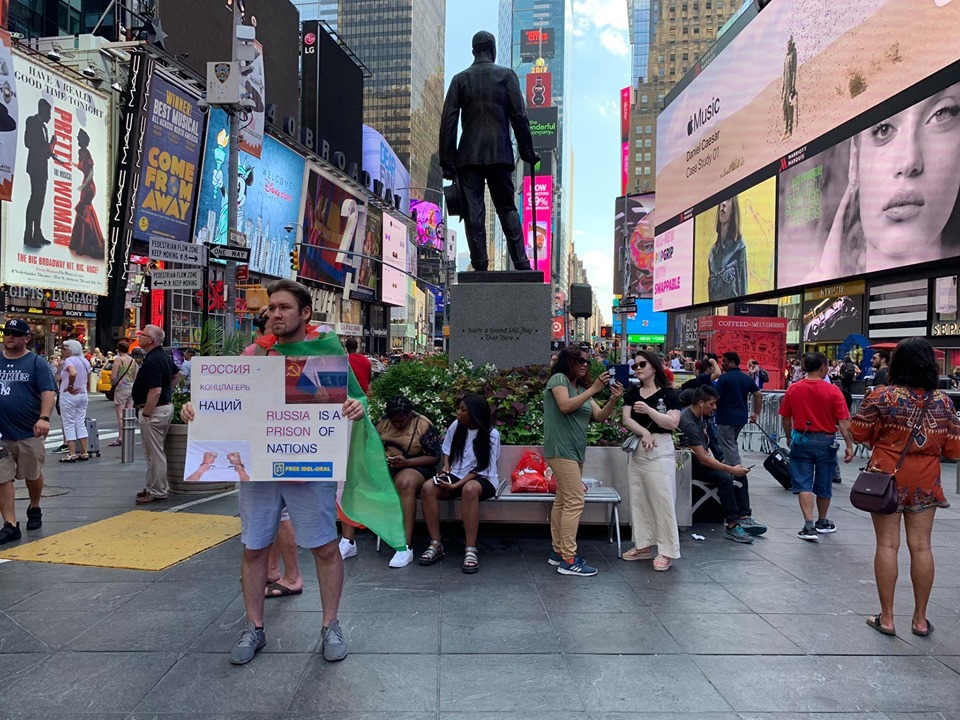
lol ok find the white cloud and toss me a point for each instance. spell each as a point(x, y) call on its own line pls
point(604, 18)
point(608, 109)
point(615, 41)
point(601, 13)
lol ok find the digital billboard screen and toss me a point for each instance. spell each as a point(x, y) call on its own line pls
point(331, 216)
point(537, 43)
point(634, 221)
point(368, 275)
point(799, 70)
point(539, 90)
point(270, 190)
point(833, 318)
point(543, 127)
point(393, 290)
point(429, 223)
point(673, 267)
point(544, 224)
point(734, 245)
point(885, 198)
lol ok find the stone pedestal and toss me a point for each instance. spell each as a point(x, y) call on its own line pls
point(504, 323)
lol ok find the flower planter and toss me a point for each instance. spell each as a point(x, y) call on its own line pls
point(175, 448)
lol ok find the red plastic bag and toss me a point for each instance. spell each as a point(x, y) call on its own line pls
point(532, 475)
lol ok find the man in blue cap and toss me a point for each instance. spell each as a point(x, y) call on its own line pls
point(486, 99)
point(27, 398)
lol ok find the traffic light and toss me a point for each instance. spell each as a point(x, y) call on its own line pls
point(295, 259)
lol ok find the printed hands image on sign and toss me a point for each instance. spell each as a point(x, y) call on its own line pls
point(245, 431)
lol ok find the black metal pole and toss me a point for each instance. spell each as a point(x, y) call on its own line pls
point(533, 213)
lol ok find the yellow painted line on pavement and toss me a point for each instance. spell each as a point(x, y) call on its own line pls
point(137, 540)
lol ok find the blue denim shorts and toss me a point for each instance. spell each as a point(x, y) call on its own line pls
point(813, 458)
point(312, 507)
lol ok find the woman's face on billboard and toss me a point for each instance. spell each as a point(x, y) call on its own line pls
point(909, 175)
point(724, 211)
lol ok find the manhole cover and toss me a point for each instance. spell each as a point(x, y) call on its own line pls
point(48, 491)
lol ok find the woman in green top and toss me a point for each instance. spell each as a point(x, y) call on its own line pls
point(568, 408)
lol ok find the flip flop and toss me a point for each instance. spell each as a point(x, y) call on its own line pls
point(276, 590)
point(69, 458)
point(874, 622)
point(115, 443)
point(922, 633)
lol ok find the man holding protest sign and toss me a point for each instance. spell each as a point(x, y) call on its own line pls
point(312, 506)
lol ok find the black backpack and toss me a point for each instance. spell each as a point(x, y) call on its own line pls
point(764, 376)
point(848, 371)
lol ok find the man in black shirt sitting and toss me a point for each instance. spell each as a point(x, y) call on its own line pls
point(152, 396)
point(706, 468)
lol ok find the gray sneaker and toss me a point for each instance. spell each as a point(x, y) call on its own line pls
point(738, 535)
point(752, 527)
point(334, 648)
point(250, 642)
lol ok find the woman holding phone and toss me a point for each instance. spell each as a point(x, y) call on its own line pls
point(471, 450)
point(568, 408)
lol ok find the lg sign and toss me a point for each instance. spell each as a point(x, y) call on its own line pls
point(309, 43)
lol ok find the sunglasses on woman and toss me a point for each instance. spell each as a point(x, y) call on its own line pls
point(641, 364)
point(583, 361)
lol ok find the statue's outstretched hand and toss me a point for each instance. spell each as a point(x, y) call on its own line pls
point(449, 171)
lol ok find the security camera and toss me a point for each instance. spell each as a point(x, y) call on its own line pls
point(203, 106)
point(288, 227)
point(248, 103)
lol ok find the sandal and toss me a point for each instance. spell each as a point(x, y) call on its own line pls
point(922, 633)
point(69, 458)
point(662, 563)
point(433, 554)
point(638, 554)
point(471, 563)
point(115, 443)
point(85, 456)
point(874, 622)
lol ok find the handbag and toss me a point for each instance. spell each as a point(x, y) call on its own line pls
point(111, 393)
point(877, 492)
point(630, 444)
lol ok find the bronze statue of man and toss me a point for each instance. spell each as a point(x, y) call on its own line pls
point(486, 99)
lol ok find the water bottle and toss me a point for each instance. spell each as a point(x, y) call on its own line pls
point(661, 406)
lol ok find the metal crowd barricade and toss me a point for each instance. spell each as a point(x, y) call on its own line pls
point(751, 439)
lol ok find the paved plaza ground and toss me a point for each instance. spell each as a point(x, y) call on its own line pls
point(774, 630)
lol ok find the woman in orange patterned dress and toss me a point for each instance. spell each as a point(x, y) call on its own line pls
point(885, 422)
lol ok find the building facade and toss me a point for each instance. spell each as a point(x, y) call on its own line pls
point(402, 43)
point(680, 31)
point(513, 50)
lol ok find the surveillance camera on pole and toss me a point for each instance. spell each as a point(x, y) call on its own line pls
point(224, 91)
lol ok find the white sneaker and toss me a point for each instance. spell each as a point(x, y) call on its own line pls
point(402, 558)
point(347, 548)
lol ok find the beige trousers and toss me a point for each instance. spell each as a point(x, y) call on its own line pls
point(153, 431)
point(567, 506)
point(652, 475)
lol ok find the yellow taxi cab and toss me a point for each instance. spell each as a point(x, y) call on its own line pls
point(103, 382)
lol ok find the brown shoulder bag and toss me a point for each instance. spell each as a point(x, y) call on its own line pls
point(877, 492)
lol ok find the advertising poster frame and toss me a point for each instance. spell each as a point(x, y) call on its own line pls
point(544, 223)
point(55, 235)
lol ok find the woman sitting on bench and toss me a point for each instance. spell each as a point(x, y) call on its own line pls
point(471, 450)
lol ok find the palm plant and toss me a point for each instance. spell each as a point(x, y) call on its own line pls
point(214, 342)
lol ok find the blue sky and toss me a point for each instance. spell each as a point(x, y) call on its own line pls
point(601, 67)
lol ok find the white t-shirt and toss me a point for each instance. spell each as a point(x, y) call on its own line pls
point(468, 462)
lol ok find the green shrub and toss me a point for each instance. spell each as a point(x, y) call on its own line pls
point(515, 397)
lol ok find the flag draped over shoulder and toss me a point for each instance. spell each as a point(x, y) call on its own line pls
point(369, 496)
